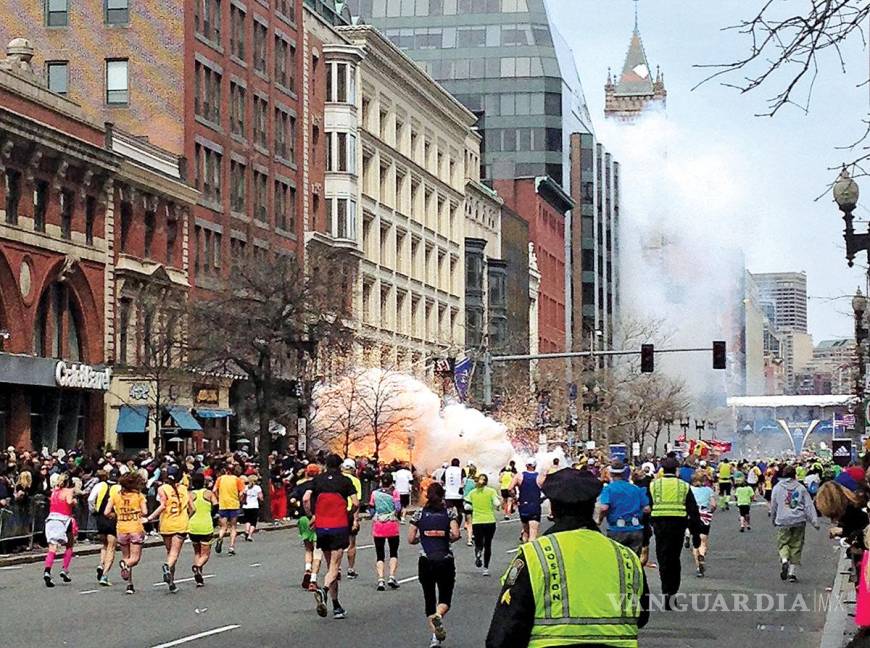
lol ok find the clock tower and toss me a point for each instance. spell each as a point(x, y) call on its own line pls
point(635, 90)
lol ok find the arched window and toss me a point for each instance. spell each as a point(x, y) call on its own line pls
point(57, 325)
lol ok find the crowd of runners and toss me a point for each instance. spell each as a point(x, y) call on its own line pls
point(216, 501)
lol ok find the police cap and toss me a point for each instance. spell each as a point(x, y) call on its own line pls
point(570, 486)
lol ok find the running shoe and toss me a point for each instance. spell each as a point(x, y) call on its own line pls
point(748, 528)
point(699, 573)
point(783, 573)
point(232, 551)
point(65, 577)
point(219, 545)
point(469, 544)
point(99, 573)
point(702, 565)
point(438, 631)
point(485, 571)
point(104, 581)
point(435, 643)
point(320, 599)
point(478, 561)
point(312, 586)
point(125, 571)
point(197, 575)
point(167, 574)
point(742, 529)
point(173, 588)
point(792, 578)
point(130, 589)
point(351, 574)
point(339, 613)
point(382, 586)
point(306, 580)
point(46, 576)
point(393, 583)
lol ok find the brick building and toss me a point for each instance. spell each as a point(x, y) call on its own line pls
point(542, 203)
point(76, 200)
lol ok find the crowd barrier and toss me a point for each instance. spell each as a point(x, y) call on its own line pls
point(22, 523)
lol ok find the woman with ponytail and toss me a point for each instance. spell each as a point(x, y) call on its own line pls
point(174, 513)
point(60, 528)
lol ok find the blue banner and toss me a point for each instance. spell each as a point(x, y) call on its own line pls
point(461, 376)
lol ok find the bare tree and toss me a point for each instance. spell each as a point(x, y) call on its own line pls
point(786, 49)
point(384, 407)
point(267, 319)
point(339, 415)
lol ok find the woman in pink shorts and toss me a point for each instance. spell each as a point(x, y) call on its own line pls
point(130, 510)
point(60, 528)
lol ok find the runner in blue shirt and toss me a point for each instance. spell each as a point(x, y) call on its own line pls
point(623, 504)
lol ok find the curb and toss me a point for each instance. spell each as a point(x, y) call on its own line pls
point(92, 548)
point(837, 631)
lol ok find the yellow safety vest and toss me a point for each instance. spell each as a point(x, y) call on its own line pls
point(668, 497)
point(587, 590)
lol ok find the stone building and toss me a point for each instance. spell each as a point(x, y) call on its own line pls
point(85, 209)
point(635, 89)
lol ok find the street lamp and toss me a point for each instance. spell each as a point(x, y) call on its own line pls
point(846, 196)
point(590, 404)
point(668, 422)
point(684, 424)
point(699, 427)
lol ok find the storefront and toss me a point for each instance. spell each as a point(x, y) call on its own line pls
point(50, 403)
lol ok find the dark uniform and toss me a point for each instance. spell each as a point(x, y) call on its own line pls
point(611, 604)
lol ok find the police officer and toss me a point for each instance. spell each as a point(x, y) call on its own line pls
point(572, 584)
point(673, 511)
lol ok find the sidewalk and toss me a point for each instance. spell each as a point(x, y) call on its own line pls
point(88, 548)
point(840, 625)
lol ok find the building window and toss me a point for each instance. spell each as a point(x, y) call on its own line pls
point(208, 172)
point(285, 8)
point(40, 205)
point(126, 222)
point(285, 135)
point(282, 53)
point(260, 185)
point(90, 219)
point(117, 89)
point(237, 109)
point(207, 93)
point(150, 226)
point(238, 176)
point(123, 328)
point(171, 237)
point(342, 213)
point(117, 12)
point(57, 74)
point(260, 111)
point(12, 180)
point(67, 203)
point(341, 83)
point(291, 209)
point(237, 32)
point(207, 19)
point(281, 205)
point(57, 13)
point(260, 35)
point(56, 330)
point(341, 152)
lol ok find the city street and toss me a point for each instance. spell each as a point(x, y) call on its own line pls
point(254, 599)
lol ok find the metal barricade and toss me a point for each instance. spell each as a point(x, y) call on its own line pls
point(22, 521)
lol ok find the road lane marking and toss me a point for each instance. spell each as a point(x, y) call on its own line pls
point(11, 567)
point(510, 551)
point(408, 580)
point(256, 565)
point(366, 547)
point(181, 580)
point(89, 592)
point(200, 635)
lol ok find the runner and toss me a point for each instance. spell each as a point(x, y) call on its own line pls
point(791, 509)
point(174, 513)
point(769, 477)
point(706, 500)
point(725, 482)
point(470, 484)
point(348, 467)
point(106, 528)
point(201, 527)
point(130, 509)
point(454, 482)
point(326, 499)
point(529, 500)
point(313, 555)
point(251, 507)
point(228, 489)
point(624, 505)
point(505, 478)
point(484, 503)
point(745, 494)
point(403, 479)
point(60, 528)
point(434, 528)
point(386, 504)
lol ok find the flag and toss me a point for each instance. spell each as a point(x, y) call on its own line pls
point(461, 376)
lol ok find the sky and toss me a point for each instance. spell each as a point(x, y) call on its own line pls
point(755, 180)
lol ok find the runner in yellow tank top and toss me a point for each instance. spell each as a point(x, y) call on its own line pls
point(201, 527)
point(174, 513)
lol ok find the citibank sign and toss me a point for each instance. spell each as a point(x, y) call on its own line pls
point(82, 376)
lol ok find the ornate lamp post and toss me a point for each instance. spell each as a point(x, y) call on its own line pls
point(846, 196)
point(859, 306)
point(668, 421)
point(684, 425)
point(699, 427)
point(591, 393)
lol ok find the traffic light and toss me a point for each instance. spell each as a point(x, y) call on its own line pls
point(719, 354)
point(647, 358)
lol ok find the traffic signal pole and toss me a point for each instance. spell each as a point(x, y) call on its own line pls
point(489, 359)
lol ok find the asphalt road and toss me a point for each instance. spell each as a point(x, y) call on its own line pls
point(254, 599)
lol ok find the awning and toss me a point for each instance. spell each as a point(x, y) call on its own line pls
point(132, 419)
point(207, 413)
point(183, 419)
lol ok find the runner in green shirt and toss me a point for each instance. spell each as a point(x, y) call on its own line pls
point(745, 494)
point(484, 503)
